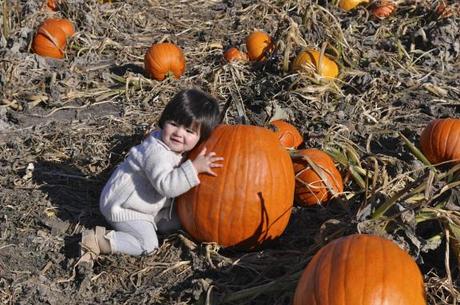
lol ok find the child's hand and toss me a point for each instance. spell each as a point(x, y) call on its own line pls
point(204, 162)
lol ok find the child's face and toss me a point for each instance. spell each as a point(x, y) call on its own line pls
point(179, 138)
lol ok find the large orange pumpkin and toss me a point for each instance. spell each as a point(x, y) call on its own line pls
point(250, 200)
point(287, 134)
point(440, 140)
point(327, 68)
point(162, 59)
point(310, 188)
point(259, 45)
point(361, 270)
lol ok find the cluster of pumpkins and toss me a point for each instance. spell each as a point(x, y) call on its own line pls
point(250, 200)
point(163, 59)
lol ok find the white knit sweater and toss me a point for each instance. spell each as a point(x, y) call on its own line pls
point(146, 182)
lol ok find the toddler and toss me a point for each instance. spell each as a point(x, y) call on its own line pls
point(137, 200)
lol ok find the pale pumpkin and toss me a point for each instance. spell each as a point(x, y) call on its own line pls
point(249, 202)
point(361, 270)
point(440, 141)
point(163, 59)
point(288, 134)
point(324, 66)
point(310, 187)
point(259, 45)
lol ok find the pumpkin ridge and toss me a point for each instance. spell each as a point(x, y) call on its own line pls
point(366, 242)
point(233, 152)
point(444, 155)
point(216, 230)
point(450, 149)
point(384, 280)
point(345, 272)
point(430, 143)
point(456, 132)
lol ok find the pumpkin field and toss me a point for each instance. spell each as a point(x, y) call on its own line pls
point(341, 181)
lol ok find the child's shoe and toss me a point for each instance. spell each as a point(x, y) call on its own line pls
point(93, 243)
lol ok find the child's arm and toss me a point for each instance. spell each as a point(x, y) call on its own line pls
point(168, 180)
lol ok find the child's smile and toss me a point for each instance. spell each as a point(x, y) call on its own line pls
point(179, 138)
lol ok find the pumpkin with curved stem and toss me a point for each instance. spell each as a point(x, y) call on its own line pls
point(49, 41)
point(163, 59)
point(233, 54)
point(259, 45)
point(249, 202)
point(287, 134)
point(440, 141)
point(316, 176)
point(361, 270)
point(324, 66)
point(351, 4)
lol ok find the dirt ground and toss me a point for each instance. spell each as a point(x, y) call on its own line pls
point(65, 124)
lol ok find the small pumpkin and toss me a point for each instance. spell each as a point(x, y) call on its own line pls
point(361, 270)
point(288, 134)
point(382, 9)
point(65, 25)
point(249, 202)
point(324, 66)
point(312, 184)
point(49, 42)
point(259, 45)
point(350, 4)
point(440, 140)
point(52, 4)
point(163, 59)
point(233, 54)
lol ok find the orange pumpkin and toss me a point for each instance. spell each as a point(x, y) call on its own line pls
point(52, 4)
point(233, 54)
point(440, 141)
point(287, 134)
point(351, 4)
point(49, 42)
point(382, 9)
point(163, 59)
point(327, 68)
point(65, 25)
point(361, 270)
point(250, 200)
point(310, 187)
point(259, 45)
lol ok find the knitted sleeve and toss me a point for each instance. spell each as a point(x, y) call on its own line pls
point(168, 179)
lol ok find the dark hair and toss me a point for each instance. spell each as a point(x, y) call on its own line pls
point(192, 106)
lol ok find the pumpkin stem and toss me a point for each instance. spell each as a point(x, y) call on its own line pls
point(416, 152)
